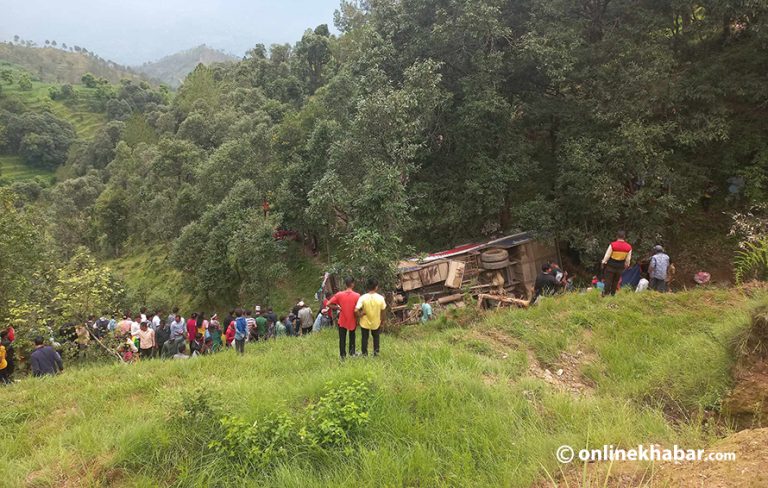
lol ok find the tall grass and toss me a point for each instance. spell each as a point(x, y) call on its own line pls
point(453, 405)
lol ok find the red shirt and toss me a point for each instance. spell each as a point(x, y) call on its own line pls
point(347, 300)
point(191, 329)
point(230, 334)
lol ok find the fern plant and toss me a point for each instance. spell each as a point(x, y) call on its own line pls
point(752, 261)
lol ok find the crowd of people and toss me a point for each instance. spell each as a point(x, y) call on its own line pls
point(654, 272)
point(147, 335)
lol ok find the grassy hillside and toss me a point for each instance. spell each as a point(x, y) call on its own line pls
point(59, 66)
point(462, 401)
point(174, 68)
point(151, 280)
point(77, 112)
point(12, 168)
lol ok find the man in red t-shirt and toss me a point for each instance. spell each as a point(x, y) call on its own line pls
point(345, 302)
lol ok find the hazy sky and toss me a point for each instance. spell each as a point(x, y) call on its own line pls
point(134, 31)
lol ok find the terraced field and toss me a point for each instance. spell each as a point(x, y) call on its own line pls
point(12, 168)
point(78, 113)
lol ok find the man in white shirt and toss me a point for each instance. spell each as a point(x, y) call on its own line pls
point(156, 320)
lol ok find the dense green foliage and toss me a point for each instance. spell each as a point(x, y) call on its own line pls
point(423, 123)
point(447, 404)
point(40, 290)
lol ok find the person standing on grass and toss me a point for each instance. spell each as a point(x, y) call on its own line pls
point(426, 311)
point(156, 320)
point(229, 319)
point(306, 319)
point(214, 328)
point(192, 327)
point(280, 330)
point(658, 269)
point(241, 331)
point(172, 316)
point(124, 326)
point(617, 258)
point(83, 338)
point(251, 324)
point(290, 325)
point(546, 283)
point(344, 303)
point(45, 360)
point(4, 376)
point(10, 359)
point(178, 336)
point(371, 309)
point(327, 310)
point(261, 325)
point(147, 344)
point(229, 335)
point(162, 335)
point(202, 324)
point(271, 318)
point(135, 326)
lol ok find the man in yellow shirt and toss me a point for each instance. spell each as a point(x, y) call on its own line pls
point(370, 309)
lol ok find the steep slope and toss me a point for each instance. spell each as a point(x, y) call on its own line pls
point(460, 401)
point(174, 68)
point(54, 65)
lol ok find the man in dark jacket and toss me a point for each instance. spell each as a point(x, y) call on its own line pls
point(45, 360)
point(546, 283)
point(162, 335)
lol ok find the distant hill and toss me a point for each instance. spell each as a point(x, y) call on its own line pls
point(174, 68)
point(54, 65)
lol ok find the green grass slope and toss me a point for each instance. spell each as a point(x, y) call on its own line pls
point(456, 402)
point(12, 168)
point(60, 66)
point(77, 113)
point(150, 279)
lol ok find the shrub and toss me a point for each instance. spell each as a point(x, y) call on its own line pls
point(752, 261)
point(332, 422)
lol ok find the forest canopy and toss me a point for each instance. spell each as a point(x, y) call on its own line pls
point(424, 123)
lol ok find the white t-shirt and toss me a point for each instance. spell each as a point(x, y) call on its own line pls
point(135, 328)
point(642, 285)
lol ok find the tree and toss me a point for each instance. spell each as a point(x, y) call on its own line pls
point(256, 257)
point(6, 76)
point(313, 53)
point(89, 80)
point(43, 139)
point(25, 82)
point(111, 213)
point(118, 109)
point(84, 287)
